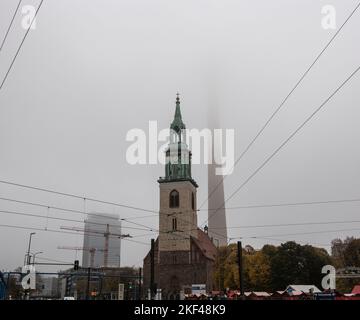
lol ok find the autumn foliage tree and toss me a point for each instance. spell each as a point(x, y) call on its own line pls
point(271, 268)
point(346, 253)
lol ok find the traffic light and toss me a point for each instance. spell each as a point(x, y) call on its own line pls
point(68, 285)
point(76, 265)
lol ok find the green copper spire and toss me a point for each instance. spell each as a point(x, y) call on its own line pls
point(177, 125)
point(178, 155)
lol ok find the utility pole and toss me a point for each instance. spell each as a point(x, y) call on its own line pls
point(88, 284)
point(106, 251)
point(139, 283)
point(28, 253)
point(152, 265)
point(241, 273)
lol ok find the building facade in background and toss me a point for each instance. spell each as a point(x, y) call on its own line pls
point(96, 226)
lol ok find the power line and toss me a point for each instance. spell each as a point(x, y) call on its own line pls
point(76, 196)
point(68, 210)
point(60, 231)
point(52, 260)
point(292, 224)
point(286, 141)
point(295, 234)
point(77, 211)
point(21, 44)
point(286, 204)
point(10, 25)
point(305, 242)
point(106, 215)
point(282, 103)
point(145, 228)
point(64, 219)
point(102, 215)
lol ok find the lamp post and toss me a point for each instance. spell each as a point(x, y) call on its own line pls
point(28, 253)
point(34, 255)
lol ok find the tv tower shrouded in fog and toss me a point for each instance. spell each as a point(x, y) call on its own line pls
point(217, 228)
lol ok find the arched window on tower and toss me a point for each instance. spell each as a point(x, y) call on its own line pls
point(174, 201)
point(193, 201)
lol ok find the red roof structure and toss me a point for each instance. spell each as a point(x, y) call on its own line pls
point(356, 289)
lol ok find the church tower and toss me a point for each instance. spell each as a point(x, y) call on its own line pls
point(183, 254)
point(177, 216)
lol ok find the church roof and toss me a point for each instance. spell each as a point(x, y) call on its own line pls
point(205, 244)
point(302, 288)
point(177, 124)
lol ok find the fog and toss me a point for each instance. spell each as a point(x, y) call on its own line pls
point(93, 70)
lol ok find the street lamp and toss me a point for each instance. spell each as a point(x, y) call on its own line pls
point(28, 253)
point(34, 256)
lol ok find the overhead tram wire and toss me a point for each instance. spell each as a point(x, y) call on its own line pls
point(39, 189)
point(10, 25)
point(20, 46)
point(64, 219)
point(235, 227)
point(290, 204)
point(230, 238)
point(102, 215)
point(145, 228)
point(52, 260)
point(298, 241)
point(291, 224)
point(77, 197)
point(78, 212)
point(295, 234)
point(285, 142)
point(281, 104)
point(63, 232)
point(128, 219)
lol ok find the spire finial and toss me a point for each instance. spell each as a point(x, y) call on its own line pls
point(177, 97)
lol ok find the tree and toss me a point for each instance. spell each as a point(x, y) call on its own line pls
point(271, 268)
point(257, 271)
point(345, 253)
point(296, 264)
point(352, 253)
point(287, 266)
point(338, 247)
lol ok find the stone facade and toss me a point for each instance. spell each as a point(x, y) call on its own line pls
point(176, 271)
point(185, 215)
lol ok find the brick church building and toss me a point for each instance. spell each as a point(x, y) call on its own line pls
point(183, 254)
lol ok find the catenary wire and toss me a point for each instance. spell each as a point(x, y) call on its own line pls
point(286, 141)
point(20, 46)
point(281, 104)
point(10, 25)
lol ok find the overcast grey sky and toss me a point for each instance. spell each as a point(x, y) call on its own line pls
point(92, 70)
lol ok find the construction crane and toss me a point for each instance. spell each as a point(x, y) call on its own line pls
point(91, 250)
point(106, 235)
